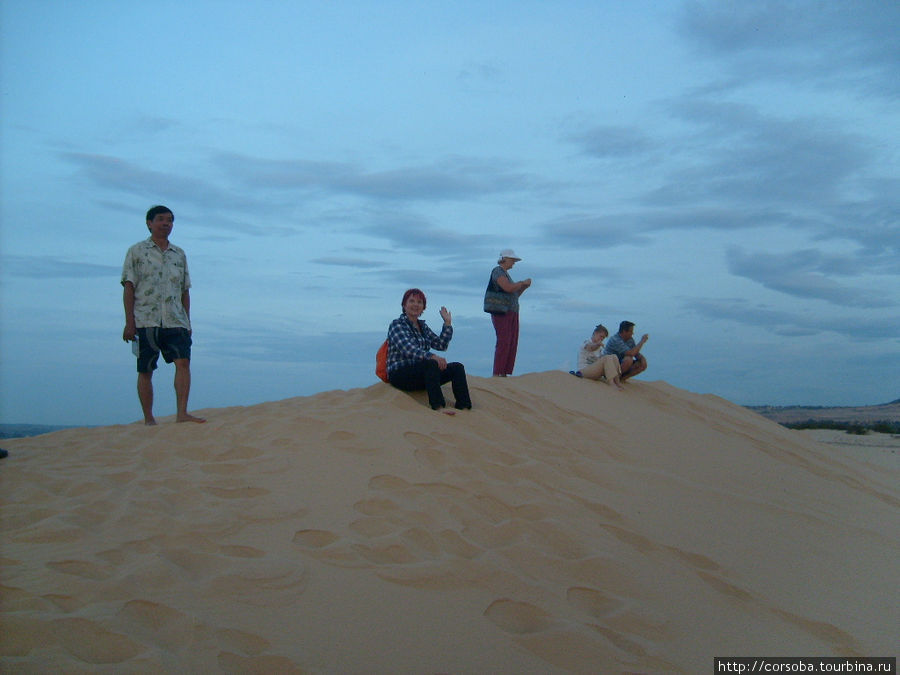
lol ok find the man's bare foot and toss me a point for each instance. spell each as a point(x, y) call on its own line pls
point(190, 418)
point(150, 422)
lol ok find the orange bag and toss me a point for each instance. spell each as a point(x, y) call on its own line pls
point(381, 361)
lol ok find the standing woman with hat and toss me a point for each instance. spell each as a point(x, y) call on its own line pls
point(501, 301)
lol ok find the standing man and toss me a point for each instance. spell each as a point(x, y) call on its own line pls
point(622, 345)
point(157, 311)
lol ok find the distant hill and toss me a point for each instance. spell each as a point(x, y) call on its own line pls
point(791, 414)
point(25, 430)
point(886, 412)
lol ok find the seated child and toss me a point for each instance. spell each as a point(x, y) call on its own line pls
point(596, 367)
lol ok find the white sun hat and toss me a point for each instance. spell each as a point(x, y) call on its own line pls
point(508, 253)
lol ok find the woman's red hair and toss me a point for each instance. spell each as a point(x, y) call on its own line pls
point(414, 291)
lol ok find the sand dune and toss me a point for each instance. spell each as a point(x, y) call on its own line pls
point(560, 526)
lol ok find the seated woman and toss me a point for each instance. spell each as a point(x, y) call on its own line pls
point(595, 367)
point(411, 366)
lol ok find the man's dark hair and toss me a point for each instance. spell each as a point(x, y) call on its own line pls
point(156, 210)
point(625, 325)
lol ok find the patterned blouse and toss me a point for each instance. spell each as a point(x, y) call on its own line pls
point(160, 278)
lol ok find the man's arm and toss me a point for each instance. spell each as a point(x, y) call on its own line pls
point(128, 300)
point(634, 351)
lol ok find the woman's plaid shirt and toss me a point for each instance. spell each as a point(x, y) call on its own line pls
point(406, 345)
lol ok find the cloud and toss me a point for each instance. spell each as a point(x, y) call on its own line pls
point(348, 262)
point(739, 153)
point(49, 267)
point(112, 173)
point(454, 178)
point(612, 142)
point(418, 234)
point(801, 42)
point(481, 76)
point(873, 223)
point(730, 166)
point(795, 323)
point(803, 274)
point(584, 231)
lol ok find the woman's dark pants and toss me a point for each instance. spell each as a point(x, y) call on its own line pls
point(428, 376)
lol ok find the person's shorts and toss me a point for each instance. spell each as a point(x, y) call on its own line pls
point(174, 343)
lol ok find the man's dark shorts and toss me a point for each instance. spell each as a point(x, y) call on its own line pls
point(174, 343)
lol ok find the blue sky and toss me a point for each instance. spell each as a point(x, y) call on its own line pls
point(724, 174)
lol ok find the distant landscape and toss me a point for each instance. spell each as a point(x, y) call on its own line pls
point(23, 430)
point(884, 418)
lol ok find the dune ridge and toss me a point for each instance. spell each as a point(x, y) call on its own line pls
point(560, 526)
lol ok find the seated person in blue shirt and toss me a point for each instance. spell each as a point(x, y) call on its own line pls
point(622, 345)
point(412, 366)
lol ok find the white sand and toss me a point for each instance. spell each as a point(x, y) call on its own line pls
point(560, 526)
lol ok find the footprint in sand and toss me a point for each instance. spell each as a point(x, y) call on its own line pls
point(194, 564)
point(65, 602)
point(19, 600)
point(420, 440)
point(385, 554)
point(389, 482)
point(695, 559)
point(633, 539)
point(157, 624)
point(626, 630)
point(92, 643)
point(554, 539)
point(222, 469)
point(315, 538)
point(724, 587)
point(518, 617)
point(376, 507)
point(455, 545)
point(81, 568)
point(242, 551)
point(261, 583)
point(431, 457)
point(246, 492)
point(195, 454)
point(240, 452)
point(347, 441)
point(230, 662)
point(592, 602)
point(247, 643)
point(372, 528)
point(422, 540)
point(49, 536)
point(426, 450)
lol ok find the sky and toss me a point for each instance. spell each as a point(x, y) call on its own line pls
point(726, 175)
